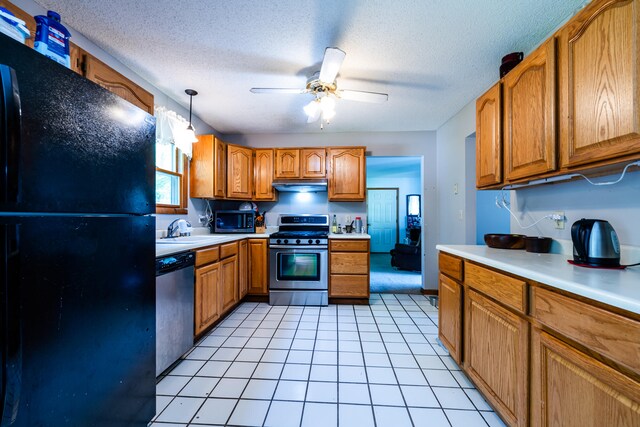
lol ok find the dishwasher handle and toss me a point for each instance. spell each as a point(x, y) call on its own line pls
point(174, 262)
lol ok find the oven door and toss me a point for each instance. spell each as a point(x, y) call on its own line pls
point(299, 268)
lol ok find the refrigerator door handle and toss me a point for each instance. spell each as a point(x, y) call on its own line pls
point(10, 119)
point(11, 324)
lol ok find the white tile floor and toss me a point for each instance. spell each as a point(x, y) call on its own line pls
point(376, 365)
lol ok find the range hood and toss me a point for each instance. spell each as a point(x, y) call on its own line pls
point(300, 185)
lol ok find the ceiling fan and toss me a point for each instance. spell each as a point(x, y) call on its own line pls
point(322, 85)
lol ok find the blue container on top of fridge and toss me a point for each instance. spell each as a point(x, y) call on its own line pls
point(12, 26)
point(52, 38)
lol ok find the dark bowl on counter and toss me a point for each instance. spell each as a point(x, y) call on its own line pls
point(505, 241)
point(540, 245)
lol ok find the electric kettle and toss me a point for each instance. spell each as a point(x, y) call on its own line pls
point(595, 243)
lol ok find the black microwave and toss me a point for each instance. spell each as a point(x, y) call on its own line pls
point(234, 222)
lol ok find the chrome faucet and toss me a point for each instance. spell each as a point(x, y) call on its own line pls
point(171, 230)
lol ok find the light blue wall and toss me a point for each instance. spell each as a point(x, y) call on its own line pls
point(489, 217)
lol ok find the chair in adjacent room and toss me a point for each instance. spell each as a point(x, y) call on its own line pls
point(408, 256)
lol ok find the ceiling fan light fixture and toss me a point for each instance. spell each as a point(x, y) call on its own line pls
point(190, 131)
point(311, 109)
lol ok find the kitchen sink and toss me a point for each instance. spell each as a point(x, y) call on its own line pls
point(189, 240)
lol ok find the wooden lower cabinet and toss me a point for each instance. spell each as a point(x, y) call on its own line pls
point(450, 316)
point(348, 268)
point(496, 356)
point(229, 283)
point(570, 388)
point(243, 268)
point(258, 267)
point(207, 285)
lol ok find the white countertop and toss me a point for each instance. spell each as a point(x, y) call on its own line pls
point(163, 249)
point(349, 236)
point(618, 288)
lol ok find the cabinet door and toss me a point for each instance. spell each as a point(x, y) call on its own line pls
point(599, 71)
point(219, 169)
point(77, 58)
point(264, 175)
point(229, 283)
point(496, 356)
point(239, 172)
point(288, 163)
point(450, 316)
point(313, 161)
point(100, 73)
point(206, 296)
point(258, 267)
point(592, 394)
point(529, 115)
point(243, 269)
point(347, 174)
point(202, 172)
point(489, 137)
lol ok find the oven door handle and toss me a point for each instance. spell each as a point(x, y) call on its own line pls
point(300, 247)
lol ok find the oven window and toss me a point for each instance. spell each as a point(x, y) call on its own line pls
point(299, 266)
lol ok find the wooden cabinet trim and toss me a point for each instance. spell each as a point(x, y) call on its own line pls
point(451, 266)
point(612, 335)
point(507, 290)
point(207, 255)
point(348, 245)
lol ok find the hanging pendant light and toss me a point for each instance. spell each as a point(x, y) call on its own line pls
point(191, 132)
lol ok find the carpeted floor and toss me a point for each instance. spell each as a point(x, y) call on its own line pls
point(386, 279)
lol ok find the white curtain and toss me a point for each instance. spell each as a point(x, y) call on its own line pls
point(171, 128)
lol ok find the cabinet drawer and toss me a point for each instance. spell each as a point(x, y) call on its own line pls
point(208, 255)
point(507, 290)
point(349, 245)
point(228, 249)
point(610, 334)
point(451, 266)
point(349, 263)
point(352, 286)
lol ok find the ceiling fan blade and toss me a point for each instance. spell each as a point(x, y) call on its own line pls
point(277, 90)
point(331, 64)
point(357, 95)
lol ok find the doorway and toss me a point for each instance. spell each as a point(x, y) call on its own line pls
point(394, 183)
point(382, 218)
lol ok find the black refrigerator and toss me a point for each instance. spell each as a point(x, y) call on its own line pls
point(77, 239)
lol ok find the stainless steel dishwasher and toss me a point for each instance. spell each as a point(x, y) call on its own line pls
point(174, 308)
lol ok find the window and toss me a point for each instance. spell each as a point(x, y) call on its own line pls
point(171, 180)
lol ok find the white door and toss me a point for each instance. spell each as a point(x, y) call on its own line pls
point(382, 217)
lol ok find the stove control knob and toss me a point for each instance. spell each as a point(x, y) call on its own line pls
point(310, 241)
point(317, 241)
point(278, 241)
point(286, 241)
point(298, 241)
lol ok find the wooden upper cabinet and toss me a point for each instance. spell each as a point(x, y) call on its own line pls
point(100, 73)
point(529, 117)
point(313, 162)
point(208, 168)
point(599, 71)
point(489, 137)
point(287, 163)
point(239, 172)
point(264, 174)
point(77, 58)
point(346, 173)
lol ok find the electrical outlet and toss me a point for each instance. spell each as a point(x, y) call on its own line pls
point(559, 221)
point(455, 188)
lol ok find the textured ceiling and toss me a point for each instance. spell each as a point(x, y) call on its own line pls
point(431, 57)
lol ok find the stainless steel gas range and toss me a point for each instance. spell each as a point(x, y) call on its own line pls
point(298, 261)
